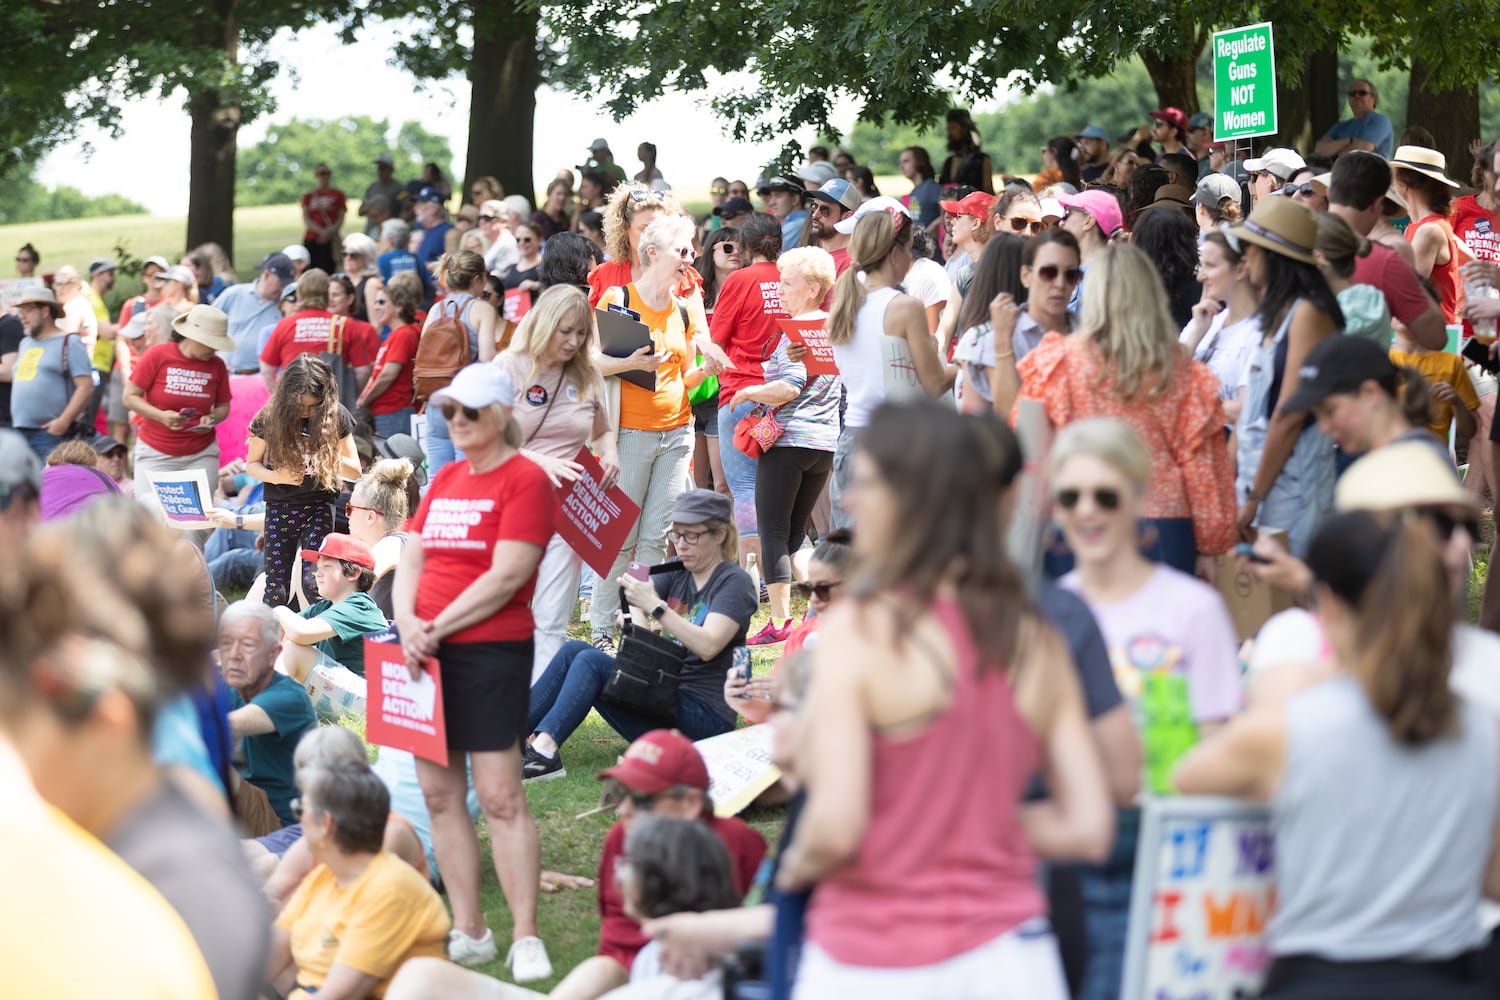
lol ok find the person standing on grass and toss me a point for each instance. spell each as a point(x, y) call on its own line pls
point(323, 211)
point(52, 375)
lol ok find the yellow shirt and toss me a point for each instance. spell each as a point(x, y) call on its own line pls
point(78, 921)
point(387, 915)
point(1440, 366)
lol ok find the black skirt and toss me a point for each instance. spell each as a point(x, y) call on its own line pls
point(486, 693)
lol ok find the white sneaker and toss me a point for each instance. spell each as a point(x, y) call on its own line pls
point(466, 950)
point(528, 960)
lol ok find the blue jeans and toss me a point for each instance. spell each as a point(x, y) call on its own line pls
point(1106, 907)
point(440, 450)
point(387, 424)
point(39, 441)
point(570, 686)
point(739, 469)
point(236, 569)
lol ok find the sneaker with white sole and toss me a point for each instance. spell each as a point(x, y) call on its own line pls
point(537, 766)
point(466, 950)
point(528, 960)
point(605, 644)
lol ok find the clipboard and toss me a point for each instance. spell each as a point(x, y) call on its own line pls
point(620, 337)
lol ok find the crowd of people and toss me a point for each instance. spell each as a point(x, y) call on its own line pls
point(1280, 365)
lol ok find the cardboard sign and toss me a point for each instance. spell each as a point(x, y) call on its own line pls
point(812, 333)
point(13, 290)
point(1203, 894)
point(517, 304)
point(593, 520)
point(400, 712)
point(1251, 603)
point(739, 767)
point(185, 498)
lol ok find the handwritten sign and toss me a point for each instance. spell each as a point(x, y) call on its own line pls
point(184, 497)
point(813, 334)
point(593, 520)
point(1204, 891)
point(13, 290)
point(739, 767)
point(517, 304)
point(400, 712)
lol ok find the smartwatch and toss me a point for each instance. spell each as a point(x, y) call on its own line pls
point(659, 611)
point(239, 521)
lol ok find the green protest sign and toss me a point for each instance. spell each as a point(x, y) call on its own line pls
point(1244, 82)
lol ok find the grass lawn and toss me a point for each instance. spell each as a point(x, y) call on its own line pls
point(569, 920)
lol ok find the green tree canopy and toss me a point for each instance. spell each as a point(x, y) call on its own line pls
point(279, 168)
point(27, 200)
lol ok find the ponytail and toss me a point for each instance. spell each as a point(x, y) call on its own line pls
point(1415, 396)
point(875, 236)
point(848, 300)
point(1390, 570)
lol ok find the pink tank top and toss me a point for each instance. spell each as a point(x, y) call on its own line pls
point(944, 866)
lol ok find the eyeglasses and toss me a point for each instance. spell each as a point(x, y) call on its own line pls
point(644, 197)
point(822, 208)
point(489, 218)
point(1104, 498)
point(1445, 523)
point(642, 802)
point(525, 239)
point(452, 410)
point(718, 190)
point(687, 537)
point(1032, 226)
point(487, 295)
point(1049, 273)
point(296, 807)
point(819, 590)
point(350, 508)
point(1360, 93)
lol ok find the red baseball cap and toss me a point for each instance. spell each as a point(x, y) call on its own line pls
point(976, 204)
point(344, 547)
point(1174, 117)
point(657, 761)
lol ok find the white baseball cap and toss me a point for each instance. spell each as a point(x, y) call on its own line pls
point(477, 386)
point(883, 203)
point(296, 251)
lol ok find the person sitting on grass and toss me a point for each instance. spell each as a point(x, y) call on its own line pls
point(331, 633)
point(362, 911)
point(662, 776)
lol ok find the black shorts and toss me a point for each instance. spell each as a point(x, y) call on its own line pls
point(486, 693)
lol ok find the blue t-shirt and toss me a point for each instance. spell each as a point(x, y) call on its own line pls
point(248, 314)
point(791, 230)
point(926, 201)
point(40, 390)
point(1373, 128)
point(434, 243)
point(268, 757)
point(394, 262)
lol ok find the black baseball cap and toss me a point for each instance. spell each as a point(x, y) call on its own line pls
point(1338, 363)
point(734, 207)
point(780, 183)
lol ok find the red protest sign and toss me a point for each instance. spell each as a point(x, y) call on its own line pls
point(400, 712)
point(517, 304)
point(813, 334)
point(594, 521)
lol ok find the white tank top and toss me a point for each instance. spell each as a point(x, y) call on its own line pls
point(873, 366)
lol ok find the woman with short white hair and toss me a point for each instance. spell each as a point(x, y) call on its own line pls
point(494, 223)
point(793, 469)
point(359, 263)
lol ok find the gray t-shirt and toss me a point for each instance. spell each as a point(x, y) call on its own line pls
point(197, 865)
point(40, 390)
point(729, 592)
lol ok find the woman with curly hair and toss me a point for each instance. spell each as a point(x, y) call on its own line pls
point(631, 208)
point(301, 445)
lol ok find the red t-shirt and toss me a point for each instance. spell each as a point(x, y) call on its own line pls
point(461, 518)
point(1388, 271)
point(307, 332)
point(1479, 228)
point(170, 380)
point(620, 937)
point(322, 208)
point(399, 349)
point(841, 263)
point(744, 325)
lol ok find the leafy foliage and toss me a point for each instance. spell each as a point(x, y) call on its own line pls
point(278, 169)
point(28, 201)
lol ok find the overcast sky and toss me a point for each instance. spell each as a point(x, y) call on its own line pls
point(692, 146)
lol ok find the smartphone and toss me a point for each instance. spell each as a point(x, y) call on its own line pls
point(1246, 550)
point(741, 668)
point(1480, 355)
point(638, 571)
point(188, 413)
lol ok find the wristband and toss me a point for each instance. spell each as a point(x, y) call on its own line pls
point(659, 611)
point(239, 521)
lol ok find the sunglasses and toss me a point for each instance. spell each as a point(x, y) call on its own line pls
point(727, 249)
point(489, 218)
point(350, 508)
point(1304, 190)
point(1445, 523)
point(820, 590)
point(644, 197)
point(525, 239)
point(1033, 226)
point(1256, 175)
point(718, 190)
point(25, 260)
point(822, 209)
point(452, 410)
point(1049, 273)
point(351, 253)
point(1104, 499)
point(1359, 93)
point(296, 806)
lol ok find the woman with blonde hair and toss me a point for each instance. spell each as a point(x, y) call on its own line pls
point(359, 263)
point(879, 334)
point(1124, 362)
point(377, 510)
point(463, 274)
point(561, 406)
point(630, 209)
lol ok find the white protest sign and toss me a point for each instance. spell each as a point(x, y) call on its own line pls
point(184, 496)
point(739, 767)
point(1205, 886)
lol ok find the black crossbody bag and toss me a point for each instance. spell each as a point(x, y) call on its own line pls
point(647, 669)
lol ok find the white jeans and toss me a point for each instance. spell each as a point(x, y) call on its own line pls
point(1019, 965)
point(552, 602)
point(653, 470)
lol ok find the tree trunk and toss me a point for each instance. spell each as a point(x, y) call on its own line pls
point(503, 76)
point(1324, 90)
point(1452, 116)
point(1175, 78)
point(215, 137)
point(211, 171)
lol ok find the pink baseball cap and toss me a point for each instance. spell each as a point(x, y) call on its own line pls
point(1101, 205)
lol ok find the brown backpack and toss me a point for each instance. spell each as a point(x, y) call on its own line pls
point(442, 350)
